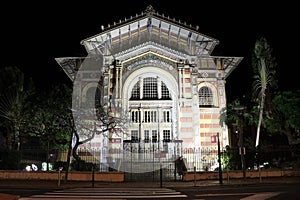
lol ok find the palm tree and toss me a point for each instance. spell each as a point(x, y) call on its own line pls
point(264, 76)
point(14, 91)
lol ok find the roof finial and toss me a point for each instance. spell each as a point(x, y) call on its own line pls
point(149, 10)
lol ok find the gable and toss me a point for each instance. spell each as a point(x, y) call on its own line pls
point(150, 26)
point(174, 41)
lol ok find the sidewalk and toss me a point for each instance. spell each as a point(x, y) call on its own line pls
point(173, 184)
point(72, 184)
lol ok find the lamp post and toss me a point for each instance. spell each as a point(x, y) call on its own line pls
point(242, 150)
point(140, 132)
point(219, 160)
point(159, 149)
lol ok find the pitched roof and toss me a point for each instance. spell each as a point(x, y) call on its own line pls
point(150, 26)
point(152, 29)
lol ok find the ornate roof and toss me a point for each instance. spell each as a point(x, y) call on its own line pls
point(150, 26)
point(152, 32)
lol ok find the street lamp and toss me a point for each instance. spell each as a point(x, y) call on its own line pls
point(242, 150)
point(140, 130)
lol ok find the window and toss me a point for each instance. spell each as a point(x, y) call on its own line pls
point(150, 88)
point(146, 136)
point(165, 94)
point(134, 136)
point(154, 135)
point(150, 116)
point(135, 116)
point(166, 116)
point(135, 93)
point(166, 136)
point(205, 97)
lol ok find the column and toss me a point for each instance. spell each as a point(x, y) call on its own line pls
point(159, 87)
point(141, 87)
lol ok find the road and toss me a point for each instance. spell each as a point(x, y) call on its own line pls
point(276, 191)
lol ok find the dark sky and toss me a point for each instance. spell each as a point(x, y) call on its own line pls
point(33, 34)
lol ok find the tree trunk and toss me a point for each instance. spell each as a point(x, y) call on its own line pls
point(261, 110)
point(68, 159)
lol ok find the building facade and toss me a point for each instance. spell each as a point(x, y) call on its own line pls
point(158, 78)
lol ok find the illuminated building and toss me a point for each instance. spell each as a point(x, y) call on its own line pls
point(159, 74)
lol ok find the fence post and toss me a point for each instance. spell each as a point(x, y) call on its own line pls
point(160, 174)
point(219, 160)
point(93, 176)
point(194, 176)
point(227, 170)
point(59, 175)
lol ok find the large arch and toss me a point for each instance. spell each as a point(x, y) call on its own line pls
point(150, 70)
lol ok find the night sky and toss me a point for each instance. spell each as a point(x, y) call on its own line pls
point(34, 34)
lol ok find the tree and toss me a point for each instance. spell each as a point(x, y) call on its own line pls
point(285, 116)
point(236, 116)
point(49, 118)
point(264, 65)
point(50, 115)
point(15, 89)
point(104, 122)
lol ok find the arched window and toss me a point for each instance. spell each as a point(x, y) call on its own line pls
point(135, 93)
point(165, 94)
point(150, 88)
point(206, 97)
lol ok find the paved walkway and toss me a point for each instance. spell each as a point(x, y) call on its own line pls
point(74, 184)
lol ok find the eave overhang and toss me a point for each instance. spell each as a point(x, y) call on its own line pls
point(150, 26)
point(229, 64)
point(70, 65)
point(150, 33)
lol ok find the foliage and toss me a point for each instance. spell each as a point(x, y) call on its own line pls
point(234, 109)
point(264, 67)
point(226, 156)
point(280, 126)
point(49, 118)
point(15, 89)
point(264, 76)
point(285, 116)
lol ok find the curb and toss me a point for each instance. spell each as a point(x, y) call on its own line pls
point(9, 197)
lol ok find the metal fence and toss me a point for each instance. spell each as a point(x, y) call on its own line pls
point(135, 161)
point(146, 165)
